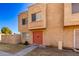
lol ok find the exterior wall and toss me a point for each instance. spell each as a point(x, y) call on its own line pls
point(11, 39)
point(34, 9)
point(58, 21)
point(22, 28)
point(69, 36)
point(69, 18)
point(23, 37)
point(54, 31)
point(54, 12)
point(30, 40)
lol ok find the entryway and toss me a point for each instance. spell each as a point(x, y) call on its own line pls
point(38, 37)
point(76, 38)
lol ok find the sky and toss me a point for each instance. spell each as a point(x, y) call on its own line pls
point(9, 14)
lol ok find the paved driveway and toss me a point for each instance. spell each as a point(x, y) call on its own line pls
point(51, 51)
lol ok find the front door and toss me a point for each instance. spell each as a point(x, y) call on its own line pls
point(37, 37)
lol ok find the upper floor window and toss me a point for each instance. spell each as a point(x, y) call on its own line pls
point(75, 7)
point(36, 16)
point(33, 17)
point(23, 21)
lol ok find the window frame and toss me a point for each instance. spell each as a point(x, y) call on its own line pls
point(37, 16)
point(23, 21)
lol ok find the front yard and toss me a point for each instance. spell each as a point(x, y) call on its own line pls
point(40, 51)
point(50, 51)
point(11, 48)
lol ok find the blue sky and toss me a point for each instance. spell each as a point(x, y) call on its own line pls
point(9, 14)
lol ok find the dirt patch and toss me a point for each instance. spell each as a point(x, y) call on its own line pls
point(48, 51)
point(11, 48)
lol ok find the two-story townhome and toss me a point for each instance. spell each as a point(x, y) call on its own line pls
point(47, 24)
point(23, 25)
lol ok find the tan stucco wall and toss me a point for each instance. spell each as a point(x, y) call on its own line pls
point(54, 24)
point(57, 22)
point(69, 18)
point(30, 39)
point(54, 30)
point(34, 9)
point(69, 36)
point(11, 39)
point(70, 24)
point(22, 28)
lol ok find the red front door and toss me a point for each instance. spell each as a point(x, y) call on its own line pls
point(37, 37)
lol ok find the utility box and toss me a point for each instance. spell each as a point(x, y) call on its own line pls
point(60, 45)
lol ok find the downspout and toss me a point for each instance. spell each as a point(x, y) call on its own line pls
point(74, 48)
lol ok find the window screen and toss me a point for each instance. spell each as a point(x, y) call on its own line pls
point(75, 7)
point(36, 16)
point(33, 17)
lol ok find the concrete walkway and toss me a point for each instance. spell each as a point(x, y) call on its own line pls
point(26, 50)
point(21, 53)
point(5, 54)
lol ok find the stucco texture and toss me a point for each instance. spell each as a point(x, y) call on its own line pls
point(57, 23)
point(54, 30)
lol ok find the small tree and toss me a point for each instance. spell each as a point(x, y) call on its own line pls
point(6, 30)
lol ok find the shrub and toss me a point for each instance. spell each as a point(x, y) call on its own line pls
point(26, 43)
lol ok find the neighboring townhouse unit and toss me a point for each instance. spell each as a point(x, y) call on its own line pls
point(50, 23)
point(23, 25)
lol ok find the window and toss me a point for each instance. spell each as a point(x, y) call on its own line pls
point(33, 17)
point(23, 21)
point(25, 35)
point(36, 16)
point(75, 7)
